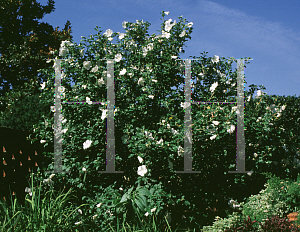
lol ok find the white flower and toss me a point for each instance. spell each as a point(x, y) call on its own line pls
point(167, 12)
point(168, 126)
point(120, 189)
point(182, 33)
point(163, 122)
point(215, 122)
point(146, 214)
point(149, 135)
point(77, 223)
point(215, 59)
point(98, 206)
point(230, 202)
point(231, 129)
point(87, 144)
point(82, 52)
point(88, 100)
point(118, 57)
point(190, 24)
point(174, 131)
point(123, 71)
point(141, 81)
point(150, 46)
point(42, 141)
point(121, 36)
point(234, 108)
point(95, 69)
point(160, 141)
point(87, 65)
point(94, 216)
point(65, 130)
point(152, 210)
point(124, 24)
point(103, 116)
point(84, 169)
point(213, 137)
point(168, 25)
point(61, 89)
point(236, 206)
point(108, 32)
point(63, 43)
point(213, 87)
point(145, 51)
point(28, 190)
point(108, 211)
point(249, 173)
point(63, 51)
point(43, 85)
point(101, 81)
point(142, 170)
point(180, 150)
point(80, 211)
point(185, 104)
point(154, 80)
point(151, 96)
point(140, 159)
point(228, 82)
point(258, 93)
point(255, 155)
point(248, 99)
point(49, 181)
point(52, 175)
point(166, 34)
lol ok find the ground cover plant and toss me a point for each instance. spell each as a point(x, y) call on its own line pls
point(265, 211)
point(150, 135)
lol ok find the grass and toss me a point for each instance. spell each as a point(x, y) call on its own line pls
point(49, 212)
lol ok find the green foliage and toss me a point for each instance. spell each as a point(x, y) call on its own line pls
point(43, 211)
point(273, 201)
point(23, 114)
point(145, 124)
point(221, 224)
point(25, 44)
point(264, 205)
point(213, 157)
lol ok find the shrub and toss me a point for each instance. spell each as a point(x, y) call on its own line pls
point(221, 224)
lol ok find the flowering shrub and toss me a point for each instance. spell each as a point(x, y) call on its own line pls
point(151, 130)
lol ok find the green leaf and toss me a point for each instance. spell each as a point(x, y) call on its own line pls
point(138, 202)
point(125, 197)
point(143, 191)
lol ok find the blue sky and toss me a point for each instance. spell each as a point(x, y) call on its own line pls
point(267, 31)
